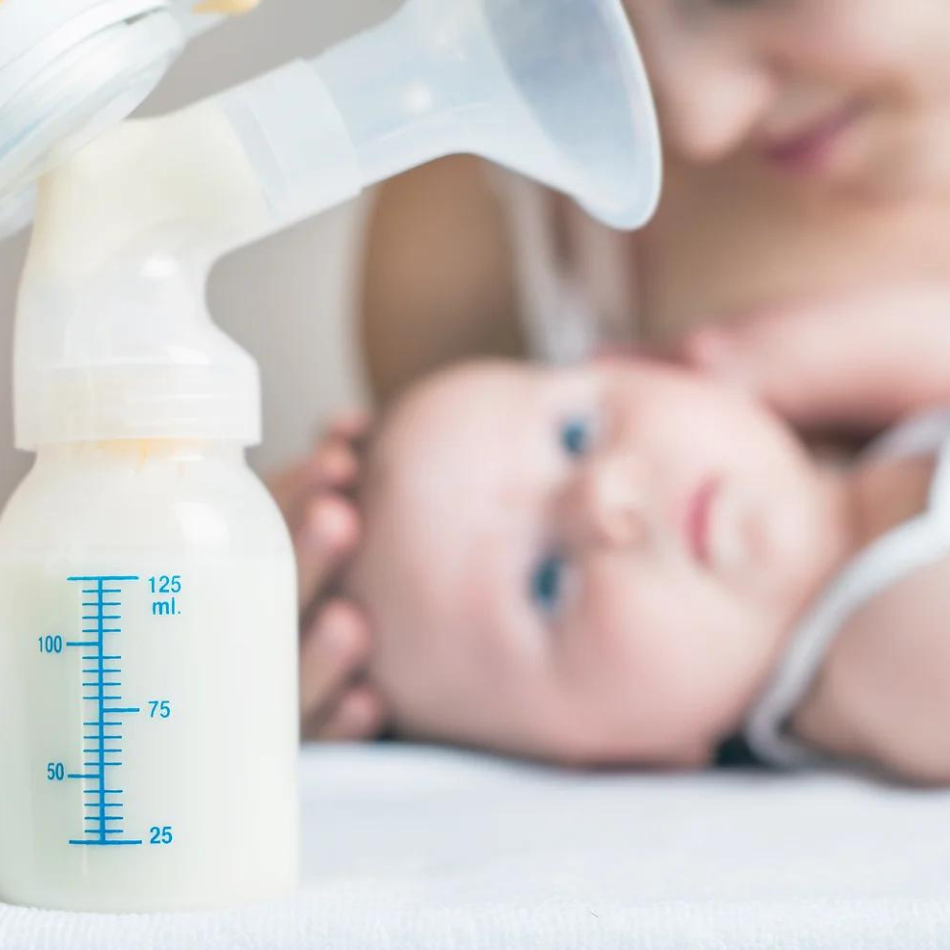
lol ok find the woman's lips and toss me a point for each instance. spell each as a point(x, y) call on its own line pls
point(810, 147)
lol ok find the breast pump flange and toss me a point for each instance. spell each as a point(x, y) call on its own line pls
point(140, 514)
point(554, 90)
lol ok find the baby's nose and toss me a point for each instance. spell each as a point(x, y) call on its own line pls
point(612, 502)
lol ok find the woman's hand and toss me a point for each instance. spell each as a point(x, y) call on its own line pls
point(335, 639)
point(857, 362)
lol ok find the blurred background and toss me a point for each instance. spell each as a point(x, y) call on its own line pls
point(287, 299)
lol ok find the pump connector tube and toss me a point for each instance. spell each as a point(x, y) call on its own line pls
point(113, 337)
point(295, 138)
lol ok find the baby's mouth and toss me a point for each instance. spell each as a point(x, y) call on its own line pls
point(718, 527)
point(698, 515)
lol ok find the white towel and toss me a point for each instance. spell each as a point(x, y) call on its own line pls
point(416, 848)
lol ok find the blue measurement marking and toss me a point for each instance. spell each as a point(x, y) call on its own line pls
point(97, 679)
point(102, 578)
point(105, 843)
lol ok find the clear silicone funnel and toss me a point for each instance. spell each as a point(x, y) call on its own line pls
point(554, 89)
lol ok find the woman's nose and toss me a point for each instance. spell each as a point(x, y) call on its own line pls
point(710, 101)
point(609, 504)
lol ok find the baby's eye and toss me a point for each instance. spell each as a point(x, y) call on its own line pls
point(547, 585)
point(577, 436)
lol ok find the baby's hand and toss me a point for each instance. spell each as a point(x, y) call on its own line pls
point(854, 362)
point(334, 634)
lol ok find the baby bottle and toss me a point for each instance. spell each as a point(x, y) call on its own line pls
point(148, 677)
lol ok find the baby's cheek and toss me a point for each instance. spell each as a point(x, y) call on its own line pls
point(613, 632)
point(627, 669)
point(652, 624)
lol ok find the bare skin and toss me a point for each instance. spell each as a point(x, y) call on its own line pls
point(771, 219)
point(882, 693)
point(603, 565)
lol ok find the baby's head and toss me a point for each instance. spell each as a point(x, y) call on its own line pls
point(593, 565)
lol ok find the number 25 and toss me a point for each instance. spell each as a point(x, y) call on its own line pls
point(160, 835)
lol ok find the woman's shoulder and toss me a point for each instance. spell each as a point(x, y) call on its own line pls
point(438, 279)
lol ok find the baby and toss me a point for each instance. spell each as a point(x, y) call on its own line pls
point(626, 563)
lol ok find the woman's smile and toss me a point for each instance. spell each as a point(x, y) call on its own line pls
point(811, 146)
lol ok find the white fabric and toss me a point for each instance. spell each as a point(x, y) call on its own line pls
point(920, 435)
point(908, 548)
point(409, 848)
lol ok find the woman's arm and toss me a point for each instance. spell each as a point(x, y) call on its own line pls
point(439, 284)
point(858, 362)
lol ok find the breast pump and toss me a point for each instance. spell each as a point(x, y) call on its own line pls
point(148, 681)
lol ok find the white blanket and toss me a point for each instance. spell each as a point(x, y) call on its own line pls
point(418, 848)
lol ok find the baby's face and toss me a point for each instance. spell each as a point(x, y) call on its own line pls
point(594, 565)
